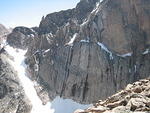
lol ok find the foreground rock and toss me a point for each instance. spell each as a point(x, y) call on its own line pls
point(12, 96)
point(134, 98)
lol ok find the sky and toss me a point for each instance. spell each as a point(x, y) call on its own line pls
point(29, 12)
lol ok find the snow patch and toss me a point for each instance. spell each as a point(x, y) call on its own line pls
point(125, 55)
point(84, 23)
point(135, 68)
point(129, 70)
point(97, 6)
point(32, 30)
point(50, 34)
point(101, 1)
point(18, 64)
point(146, 52)
point(70, 43)
point(48, 37)
point(3, 44)
point(105, 49)
point(31, 35)
point(66, 105)
point(67, 24)
point(46, 50)
point(95, 10)
point(84, 41)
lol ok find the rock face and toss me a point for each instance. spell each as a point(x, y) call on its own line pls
point(12, 96)
point(94, 59)
point(90, 54)
point(134, 98)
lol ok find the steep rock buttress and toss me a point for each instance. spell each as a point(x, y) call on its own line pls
point(90, 57)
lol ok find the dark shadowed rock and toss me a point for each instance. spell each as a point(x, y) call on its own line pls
point(21, 37)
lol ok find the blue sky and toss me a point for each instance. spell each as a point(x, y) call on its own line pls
point(29, 12)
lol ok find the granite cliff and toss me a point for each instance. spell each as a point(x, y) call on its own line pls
point(89, 54)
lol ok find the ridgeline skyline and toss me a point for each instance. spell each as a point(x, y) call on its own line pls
point(29, 12)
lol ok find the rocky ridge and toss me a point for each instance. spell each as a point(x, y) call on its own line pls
point(133, 99)
point(12, 95)
point(52, 22)
point(21, 37)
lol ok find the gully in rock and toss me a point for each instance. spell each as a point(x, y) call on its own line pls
point(18, 64)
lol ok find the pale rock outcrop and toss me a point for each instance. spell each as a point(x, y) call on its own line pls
point(134, 98)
